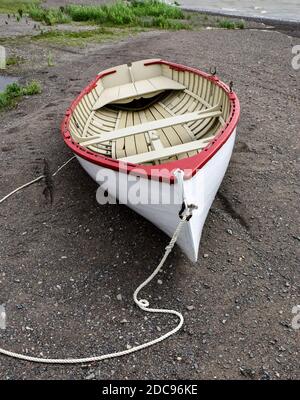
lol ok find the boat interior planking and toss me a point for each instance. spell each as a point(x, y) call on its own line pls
point(149, 113)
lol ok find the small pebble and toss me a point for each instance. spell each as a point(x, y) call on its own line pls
point(190, 308)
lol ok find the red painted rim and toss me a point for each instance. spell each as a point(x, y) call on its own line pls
point(162, 171)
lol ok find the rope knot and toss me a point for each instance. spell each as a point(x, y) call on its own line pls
point(144, 303)
point(186, 211)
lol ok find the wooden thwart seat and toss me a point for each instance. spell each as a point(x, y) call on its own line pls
point(166, 152)
point(153, 125)
point(135, 89)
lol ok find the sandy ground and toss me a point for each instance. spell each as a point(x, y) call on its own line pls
point(63, 266)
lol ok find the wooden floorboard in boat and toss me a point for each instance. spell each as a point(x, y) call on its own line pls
point(130, 147)
point(120, 143)
point(140, 139)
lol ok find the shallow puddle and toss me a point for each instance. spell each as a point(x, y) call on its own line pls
point(6, 80)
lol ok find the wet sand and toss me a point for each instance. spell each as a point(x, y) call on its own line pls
point(63, 266)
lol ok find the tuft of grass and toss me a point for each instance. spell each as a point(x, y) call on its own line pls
point(32, 88)
point(50, 59)
point(240, 24)
point(227, 24)
point(117, 14)
point(14, 60)
point(48, 16)
point(14, 92)
point(156, 8)
point(16, 6)
point(164, 23)
point(69, 38)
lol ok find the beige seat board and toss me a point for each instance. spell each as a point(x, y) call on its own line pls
point(155, 125)
point(166, 152)
point(138, 88)
point(144, 86)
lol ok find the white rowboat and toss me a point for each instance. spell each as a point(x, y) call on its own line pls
point(162, 127)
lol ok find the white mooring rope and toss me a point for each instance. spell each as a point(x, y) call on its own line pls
point(39, 178)
point(142, 303)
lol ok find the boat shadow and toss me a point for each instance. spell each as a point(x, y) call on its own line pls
point(115, 247)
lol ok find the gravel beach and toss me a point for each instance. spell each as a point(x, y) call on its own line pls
point(68, 270)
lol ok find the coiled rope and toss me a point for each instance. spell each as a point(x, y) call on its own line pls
point(143, 304)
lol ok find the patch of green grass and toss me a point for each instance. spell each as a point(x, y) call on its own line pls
point(34, 87)
point(14, 60)
point(240, 24)
point(48, 16)
point(14, 92)
point(227, 24)
point(16, 6)
point(118, 14)
point(50, 59)
point(150, 13)
point(67, 38)
point(164, 23)
point(156, 8)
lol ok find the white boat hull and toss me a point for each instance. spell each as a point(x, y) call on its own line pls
point(200, 190)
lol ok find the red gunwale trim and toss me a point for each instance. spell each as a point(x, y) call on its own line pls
point(163, 172)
